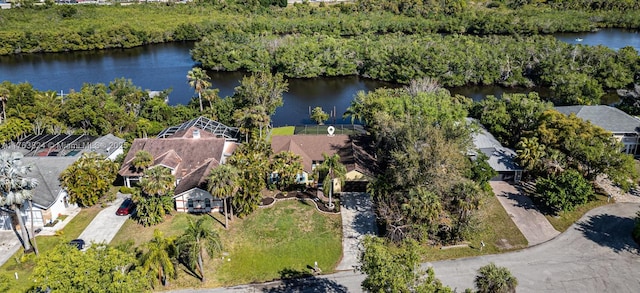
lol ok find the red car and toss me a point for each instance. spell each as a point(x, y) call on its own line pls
point(126, 208)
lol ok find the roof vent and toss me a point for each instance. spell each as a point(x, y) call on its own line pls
point(196, 133)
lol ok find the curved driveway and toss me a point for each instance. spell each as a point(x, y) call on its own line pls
point(597, 254)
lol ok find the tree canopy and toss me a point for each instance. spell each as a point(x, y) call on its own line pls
point(89, 179)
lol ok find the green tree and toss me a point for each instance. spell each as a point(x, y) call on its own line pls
point(142, 160)
point(287, 165)
point(158, 259)
point(157, 181)
point(530, 153)
point(100, 269)
point(251, 159)
point(16, 189)
point(564, 192)
point(199, 80)
point(330, 169)
point(251, 118)
point(5, 94)
point(319, 116)
point(396, 269)
point(495, 279)
point(88, 179)
point(199, 238)
point(261, 89)
point(223, 183)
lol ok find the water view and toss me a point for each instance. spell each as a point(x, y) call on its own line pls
point(164, 66)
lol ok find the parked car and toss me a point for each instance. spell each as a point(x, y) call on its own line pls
point(126, 208)
point(78, 243)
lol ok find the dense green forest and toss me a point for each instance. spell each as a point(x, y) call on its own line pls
point(57, 28)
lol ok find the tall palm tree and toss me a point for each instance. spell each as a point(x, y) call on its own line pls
point(157, 181)
point(530, 152)
point(495, 279)
point(158, 258)
point(199, 80)
point(142, 160)
point(224, 183)
point(331, 168)
point(249, 118)
point(199, 238)
point(4, 96)
point(15, 189)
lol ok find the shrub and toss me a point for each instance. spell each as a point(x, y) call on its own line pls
point(564, 192)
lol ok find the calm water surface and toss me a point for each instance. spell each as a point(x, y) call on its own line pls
point(164, 66)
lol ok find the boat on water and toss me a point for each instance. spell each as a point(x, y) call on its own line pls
point(578, 39)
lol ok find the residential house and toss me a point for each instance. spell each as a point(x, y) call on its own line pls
point(49, 156)
point(190, 151)
point(353, 152)
point(501, 159)
point(625, 128)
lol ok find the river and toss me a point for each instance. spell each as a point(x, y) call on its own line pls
point(162, 66)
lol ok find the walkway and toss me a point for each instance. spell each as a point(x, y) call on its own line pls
point(533, 225)
point(358, 219)
point(9, 243)
point(106, 224)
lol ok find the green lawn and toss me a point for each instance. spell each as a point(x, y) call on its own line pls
point(285, 130)
point(497, 231)
point(23, 264)
point(564, 220)
point(291, 235)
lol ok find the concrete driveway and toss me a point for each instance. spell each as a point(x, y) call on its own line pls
point(105, 225)
point(597, 254)
point(358, 220)
point(533, 225)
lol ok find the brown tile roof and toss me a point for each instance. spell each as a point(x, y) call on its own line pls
point(311, 147)
point(186, 154)
point(197, 178)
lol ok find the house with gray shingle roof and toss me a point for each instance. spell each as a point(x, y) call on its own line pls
point(48, 160)
point(501, 159)
point(623, 126)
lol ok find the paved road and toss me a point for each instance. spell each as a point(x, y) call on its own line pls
point(595, 255)
point(533, 225)
point(358, 219)
point(105, 225)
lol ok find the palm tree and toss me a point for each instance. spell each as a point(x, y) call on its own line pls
point(287, 165)
point(142, 160)
point(157, 181)
point(530, 152)
point(495, 279)
point(248, 118)
point(199, 80)
point(331, 168)
point(15, 189)
point(4, 96)
point(198, 239)
point(158, 258)
point(223, 183)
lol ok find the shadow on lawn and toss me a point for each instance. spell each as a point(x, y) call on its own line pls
point(303, 282)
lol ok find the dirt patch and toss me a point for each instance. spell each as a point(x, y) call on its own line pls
point(503, 244)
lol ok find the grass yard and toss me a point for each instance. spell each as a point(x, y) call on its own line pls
point(564, 220)
point(497, 230)
point(289, 236)
point(285, 130)
point(23, 264)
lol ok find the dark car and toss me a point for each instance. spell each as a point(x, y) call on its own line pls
point(126, 208)
point(78, 243)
